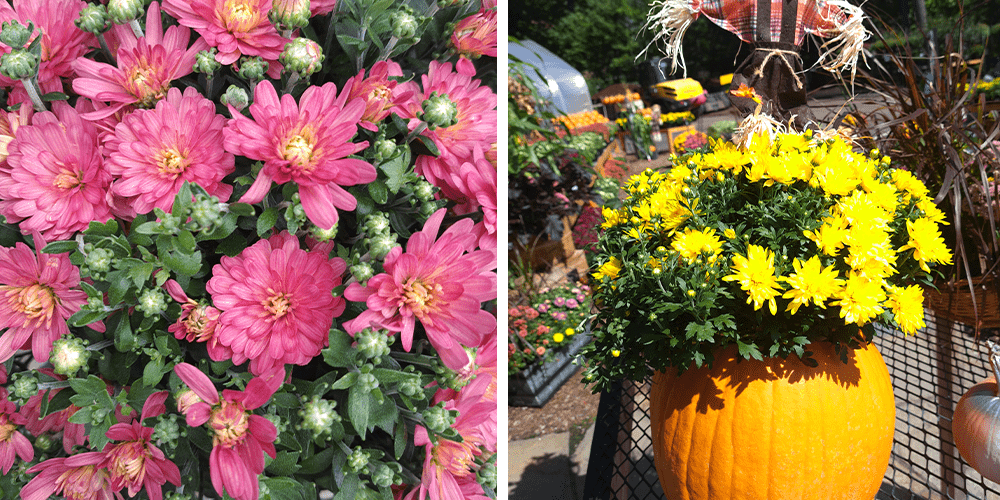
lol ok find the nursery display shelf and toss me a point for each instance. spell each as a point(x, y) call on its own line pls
point(930, 373)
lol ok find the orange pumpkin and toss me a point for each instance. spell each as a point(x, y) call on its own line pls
point(762, 430)
point(976, 421)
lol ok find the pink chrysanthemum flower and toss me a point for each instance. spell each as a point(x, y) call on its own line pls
point(234, 27)
point(198, 323)
point(440, 283)
point(447, 470)
point(155, 151)
point(38, 292)
point(476, 35)
point(476, 124)
point(479, 178)
point(240, 439)
point(379, 93)
point(74, 478)
point(62, 42)
point(55, 182)
point(134, 461)
point(276, 301)
point(10, 121)
point(12, 442)
point(307, 143)
point(146, 66)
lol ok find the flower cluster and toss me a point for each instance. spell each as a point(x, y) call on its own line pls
point(255, 242)
point(549, 322)
point(676, 119)
point(769, 248)
point(690, 141)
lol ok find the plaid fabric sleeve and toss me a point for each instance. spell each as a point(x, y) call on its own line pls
point(816, 17)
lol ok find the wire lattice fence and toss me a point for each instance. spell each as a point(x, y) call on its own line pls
point(929, 371)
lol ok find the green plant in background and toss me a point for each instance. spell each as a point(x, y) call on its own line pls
point(546, 324)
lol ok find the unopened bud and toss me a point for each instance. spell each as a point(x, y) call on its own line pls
point(99, 260)
point(289, 14)
point(438, 419)
point(372, 344)
point(439, 111)
point(318, 416)
point(377, 223)
point(93, 19)
point(384, 149)
point(123, 11)
point(19, 64)
point(362, 272)
point(152, 302)
point(424, 190)
point(69, 355)
point(380, 245)
point(252, 68)
point(303, 56)
point(236, 97)
point(24, 385)
point(323, 235)
point(358, 460)
point(404, 24)
point(15, 34)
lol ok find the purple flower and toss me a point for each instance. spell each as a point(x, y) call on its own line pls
point(543, 308)
point(572, 303)
point(560, 301)
point(581, 297)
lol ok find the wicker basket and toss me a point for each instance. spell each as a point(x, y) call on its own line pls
point(953, 301)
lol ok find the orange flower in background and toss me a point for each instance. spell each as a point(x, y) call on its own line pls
point(748, 92)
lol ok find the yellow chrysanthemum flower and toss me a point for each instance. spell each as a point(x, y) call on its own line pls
point(609, 270)
point(692, 243)
point(927, 243)
point(830, 237)
point(558, 337)
point(860, 299)
point(611, 217)
point(870, 251)
point(811, 282)
point(794, 141)
point(908, 183)
point(907, 306)
point(884, 195)
point(755, 273)
point(860, 209)
point(931, 211)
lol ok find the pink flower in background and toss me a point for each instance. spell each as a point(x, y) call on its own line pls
point(12, 442)
point(146, 66)
point(38, 292)
point(154, 151)
point(74, 478)
point(447, 473)
point(320, 7)
point(240, 439)
point(62, 42)
point(54, 181)
point(197, 323)
point(234, 28)
point(134, 461)
point(10, 121)
point(276, 301)
point(378, 91)
point(476, 124)
point(440, 283)
point(476, 35)
point(307, 143)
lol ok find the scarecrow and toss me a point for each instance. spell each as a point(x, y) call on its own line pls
point(776, 29)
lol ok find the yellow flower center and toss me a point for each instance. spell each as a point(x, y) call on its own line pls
point(6, 429)
point(128, 461)
point(299, 151)
point(239, 16)
point(230, 422)
point(419, 297)
point(144, 85)
point(456, 458)
point(67, 179)
point(172, 163)
point(36, 302)
point(80, 483)
point(277, 304)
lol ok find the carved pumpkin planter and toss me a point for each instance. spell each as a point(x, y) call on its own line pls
point(775, 428)
point(976, 423)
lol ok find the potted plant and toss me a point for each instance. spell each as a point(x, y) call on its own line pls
point(543, 336)
point(745, 283)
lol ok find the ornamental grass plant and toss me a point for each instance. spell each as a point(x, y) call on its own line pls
point(248, 249)
point(793, 239)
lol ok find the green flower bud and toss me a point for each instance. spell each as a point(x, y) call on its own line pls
point(358, 460)
point(384, 149)
point(318, 416)
point(69, 355)
point(449, 3)
point(487, 475)
point(167, 431)
point(438, 419)
point(373, 344)
point(366, 382)
point(280, 425)
point(377, 223)
point(252, 68)
point(19, 64)
point(289, 14)
point(424, 190)
point(205, 62)
point(362, 272)
point(236, 97)
point(44, 442)
point(95, 303)
point(207, 211)
point(427, 208)
point(383, 476)
point(99, 260)
point(152, 302)
point(439, 111)
point(323, 235)
point(15, 35)
point(303, 56)
point(24, 385)
point(173, 495)
point(404, 24)
point(123, 11)
point(380, 245)
point(93, 19)
point(411, 387)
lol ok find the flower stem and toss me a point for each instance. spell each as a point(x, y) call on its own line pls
point(104, 47)
point(97, 346)
point(417, 359)
point(34, 93)
point(134, 24)
point(293, 79)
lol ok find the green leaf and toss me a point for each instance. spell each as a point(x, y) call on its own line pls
point(359, 409)
point(345, 382)
point(285, 463)
point(244, 209)
point(84, 317)
point(266, 221)
point(154, 372)
point(317, 463)
point(339, 353)
point(397, 169)
point(97, 229)
point(51, 404)
point(125, 339)
point(88, 387)
point(188, 265)
point(378, 191)
point(185, 242)
point(349, 488)
point(140, 273)
point(119, 286)
point(61, 247)
point(399, 439)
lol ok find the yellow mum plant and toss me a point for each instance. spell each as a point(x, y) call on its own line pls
point(769, 247)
